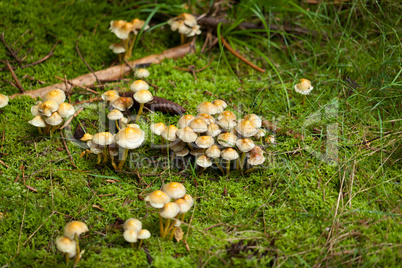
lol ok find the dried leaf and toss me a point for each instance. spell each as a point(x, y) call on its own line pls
point(178, 233)
point(98, 207)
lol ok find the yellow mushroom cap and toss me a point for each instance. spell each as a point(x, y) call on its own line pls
point(169, 210)
point(184, 206)
point(138, 24)
point(35, 109)
point(116, 25)
point(207, 118)
point(37, 121)
point(213, 130)
point(207, 107)
point(255, 119)
point(123, 31)
point(123, 103)
point(54, 120)
point(103, 138)
point(132, 224)
point(133, 125)
point(227, 114)
point(48, 107)
point(213, 152)
point(174, 190)
point(143, 234)
point(203, 161)
point(86, 137)
point(3, 100)
point(169, 133)
point(110, 95)
point(189, 199)
point(198, 125)
point(157, 128)
point(255, 150)
point(185, 120)
point(66, 245)
point(184, 23)
point(229, 154)
point(114, 115)
point(304, 87)
point(157, 199)
point(56, 95)
point(226, 123)
point(130, 236)
point(143, 96)
point(246, 128)
point(75, 228)
point(141, 73)
point(204, 141)
point(187, 134)
point(117, 48)
point(220, 104)
point(227, 139)
point(138, 85)
point(130, 137)
point(245, 145)
point(256, 159)
point(66, 110)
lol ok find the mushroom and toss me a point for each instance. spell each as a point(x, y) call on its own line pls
point(168, 212)
point(214, 152)
point(132, 224)
point(246, 128)
point(138, 85)
point(255, 119)
point(220, 104)
point(174, 190)
point(118, 49)
point(229, 154)
point(207, 118)
point(141, 73)
point(142, 97)
point(244, 145)
point(129, 138)
point(115, 27)
point(66, 246)
point(204, 162)
point(198, 125)
point(35, 109)
point(187, 135)
point(115, 115)
point(103, 139)
point(38, 122)
point(158, 199)
point(130, 236)
point(3, 100)
point(226, 123)
point(56, 95)
point(142, 235)
point(227, 114)
point(65, 110)
point(186, 24)
point(227, 139)
point(255, 160)
point(169, 133)
point(185, 120)
point(48, 107)
point(122, 103)
point(110, 96)
point(213, 130)
point(207, 107)
point(205, 141)
point(304, 87)
point(54, 120)
point(73, 230)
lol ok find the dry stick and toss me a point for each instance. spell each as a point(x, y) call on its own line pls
point(82, 58)
point(14, 77)
point(76, 85)
point(71, 118)
point(12, 52)
point(115, 71)
point(68, 151)
point(4, 164)
point(240, 57)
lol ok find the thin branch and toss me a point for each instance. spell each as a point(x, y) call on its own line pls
point(77, 85)
point(72, 117)
point(82, 58)
point(65, 146)
point(17, 82)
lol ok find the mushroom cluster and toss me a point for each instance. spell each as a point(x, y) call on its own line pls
point(186, 25)
point(133, 232)
point(172, 212)
point(215, 135)
point(3, 100)
point(123, 30)
point(69, 244)
point(50, 113)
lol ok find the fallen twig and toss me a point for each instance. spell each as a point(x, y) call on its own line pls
point(68, 151)
point(76, 85)
point(17, 82)
point(72, 117)
point(86, 63)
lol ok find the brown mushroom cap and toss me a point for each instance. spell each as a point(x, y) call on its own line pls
point(110, 95)
point(117, 48)
point(123, 103)
point(130, 236)
point(256, 159)
point(184, 206)
point(183, 152)
point(66, 245)
point(143, 234)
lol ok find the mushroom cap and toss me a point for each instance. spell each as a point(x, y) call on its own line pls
point(115, 27)
point(143, 234)
point(255, 119)
point(86, 137)
point(66, 110)
point(256, 159)
point(213, 152)
point(95, 148)
point(54, 120)
point(187, 134)
point(132, 224)
point(255, 150)
point(207, 107)
point(169, 210)
point(183, 152)
point(246, 128)
point(229, 154)
point(75, 227)
point(113, 149)
point(110, 95)
point(226, 123)
point(207, 118)
point(227, 139)
point(138, 85)
point(48, 107)
point(189, 199)
point(197, 152)
point(204, 141)
point(194, 31)
point(130, 137)
point(123, 120)
point(185, 120)
point(37, 121)
point(117, 48)
point(141, 73)
point(66, 245)
point(35, 109)
point(130, 236)
point(56, 95)
point(133, 125)
point(184, 23)
point(138, 24)
point(177, 146)
point(169, 133)
point(115, 115)
point(3, 100)
point(175, 190)
point(203, 161)
point(157, 199)
point(143, 96)
point(213, 130)
point(184, 206)
point(157, 128)
point(123, 103)
point(103, 138)
point(198, 125)
point(270, 139)
point(304, 87)
point(260, 133)
point(228, 115)
point(124, 31)
point(220, 104)
point(245, 145)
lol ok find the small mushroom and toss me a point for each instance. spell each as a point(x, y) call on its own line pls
point(304, 87)
point(123, 103)
point(73, 230)
point(207, 107)
point(141, 73)
point(158, 199)
point(129, 138)
point(168, 212)
point(213, 130)
point(65, 110)
point(139, 85)
point(174, 190)
point(198, 125)
point(227, 139)
point(118, 49)
point(142, 235)
point(130, 236)
point(110, 96)
point(132, 224)
point(115, 115)
point(56, 95)
point(48, 107)
point(229, 154)
point(205, 141)
point(246, 128)
point(54, 120)
point(38, 122)
point(142, 97)
point(35, 109)
point(3, 100)
point(185, 120)
point(103, 139)
point(66, 246)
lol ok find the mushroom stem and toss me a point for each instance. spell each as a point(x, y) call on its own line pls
point(130, 50)
point(140, 244)
point(123, 160)
point(126, 48)
point(40, 130)
point(238, 164)
point(228, 167)
point(249, 170)
point(66, 257)
point(160, 225)
point(190, 146)
point(132, 245)
point(172, 233)
point(117, 125)
point(182, 40)
point(77, 257)
point(46, 130)
point(304, 99)
point(105, 155)
point(171, 226)
point(139, 112)
point(99, 159)
point(201, 171)
point(53, 129)
point(182, 217)
point(112, 159)
point(219, 166)
point(167, 226)
point(120, 57)
point(243, 157)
